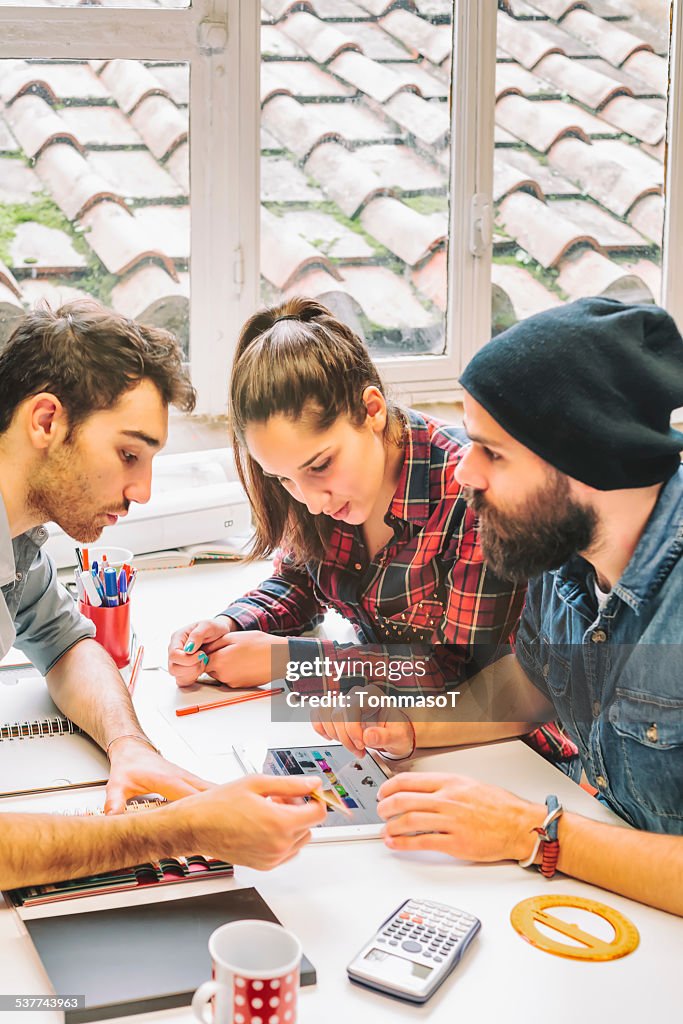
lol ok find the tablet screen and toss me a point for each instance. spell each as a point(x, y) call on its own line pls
point(355, 779)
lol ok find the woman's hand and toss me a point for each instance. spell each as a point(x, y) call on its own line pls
point(457, 815)
point(190, 647)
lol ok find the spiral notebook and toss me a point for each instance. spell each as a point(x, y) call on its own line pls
point(40, 749)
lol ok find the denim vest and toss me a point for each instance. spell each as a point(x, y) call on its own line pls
point(615, 675)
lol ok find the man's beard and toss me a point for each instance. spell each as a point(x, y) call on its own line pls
point(545, 531)
point(61, 492)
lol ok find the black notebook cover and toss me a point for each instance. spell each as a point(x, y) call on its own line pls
point(142, 958)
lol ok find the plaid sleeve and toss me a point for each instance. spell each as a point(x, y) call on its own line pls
point(285, 604)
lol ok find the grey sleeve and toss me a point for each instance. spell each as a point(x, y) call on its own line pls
point(47, 621)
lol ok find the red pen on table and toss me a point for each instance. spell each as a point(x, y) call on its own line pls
point(194, 708)
point(136, 670)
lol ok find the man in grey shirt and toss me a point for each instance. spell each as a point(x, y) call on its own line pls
point(84, 396)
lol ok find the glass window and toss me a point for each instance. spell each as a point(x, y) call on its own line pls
point(94, 187)
point(355, 164)
point(580, 124)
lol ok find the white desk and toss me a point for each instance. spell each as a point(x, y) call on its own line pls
point(334, 895)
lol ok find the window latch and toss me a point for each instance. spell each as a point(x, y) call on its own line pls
point(480, 224)
point(212, 36)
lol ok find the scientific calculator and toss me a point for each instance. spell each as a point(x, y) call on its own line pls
point(414, 950)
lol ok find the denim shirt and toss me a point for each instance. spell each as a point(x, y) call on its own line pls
point(615, 675)
point(37, 614)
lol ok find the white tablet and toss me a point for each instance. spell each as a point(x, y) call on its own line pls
point(355, 780)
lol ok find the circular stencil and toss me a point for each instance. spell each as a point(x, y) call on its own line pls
point(529, 913)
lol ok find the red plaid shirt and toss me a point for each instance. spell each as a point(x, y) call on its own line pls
point(428, 587)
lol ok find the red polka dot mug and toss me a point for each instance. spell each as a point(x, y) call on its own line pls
point(255, 976)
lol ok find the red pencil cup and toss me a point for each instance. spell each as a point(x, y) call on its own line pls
point(112, 629)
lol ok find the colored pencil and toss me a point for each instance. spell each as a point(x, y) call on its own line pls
point(194, 708)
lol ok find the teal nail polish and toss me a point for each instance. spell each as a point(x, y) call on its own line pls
point(204, 658)
point(189, 647)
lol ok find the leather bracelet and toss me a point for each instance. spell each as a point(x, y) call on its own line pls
point(547, 834)
point(132, 736)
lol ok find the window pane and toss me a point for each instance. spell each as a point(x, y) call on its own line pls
point(94, 188)
point(580, 137)
point(138, 4)
point(355, 164)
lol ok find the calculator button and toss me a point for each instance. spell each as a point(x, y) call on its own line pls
point(411, 947)
point(417, 920)
point(438, 959)
point(393, 942)
point(404, 916)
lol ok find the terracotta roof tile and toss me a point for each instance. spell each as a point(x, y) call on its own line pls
point(97, 65)
point(588, 273)
point(400, 167)
point(579, 80)
point(119, 241)
point(135, 174)
point(36, 125)
point(421, 78)
point(285, 255)
point(512, 77)
point(503, 138)
point(431, 278)
point(269, 144)
point(295, 125)
point(386, 298)
point(278, 8)
point(527, 295)
point(282, 182)
point(178, 165)
point(367, 75)
point(540, 229)
point(10, 311)
point(539, 124)
point(614, 45)
point(328, 235)
point(373, 41)
point(72, 182)
point(148, 294)
point(612, 234)
point(647, 216)
point(56, 81)
point(319, 40)
point(377, 7)
point(166, 228)
point(353, 122)
point(8, 281)
point(633, 83)
point(507, 178)
point(564, 41)
point(637, 118)
point(549, 181)
point(649, 273)
point(175, 80)
point(658, 152)
point(435, 9)
point(614, 173)
point(408, 234)
point(44, 250)
point(301, 79)
point(275, 43)
point(523, 43)
point(43, 289)
point(100, 126)
point(344, 177)
point(8, 144)
point(555, 9)
point(17, 182)
point(649, 68)
point(336, 9)
point(428, 122)
point(130, 82)
point(431, 41)
point(161, 125)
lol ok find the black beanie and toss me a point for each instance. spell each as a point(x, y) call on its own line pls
point(589, 386)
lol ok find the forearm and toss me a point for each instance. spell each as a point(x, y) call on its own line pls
point(38, 848)
point(643, 866)
point(461, 734)
point(86, 685)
